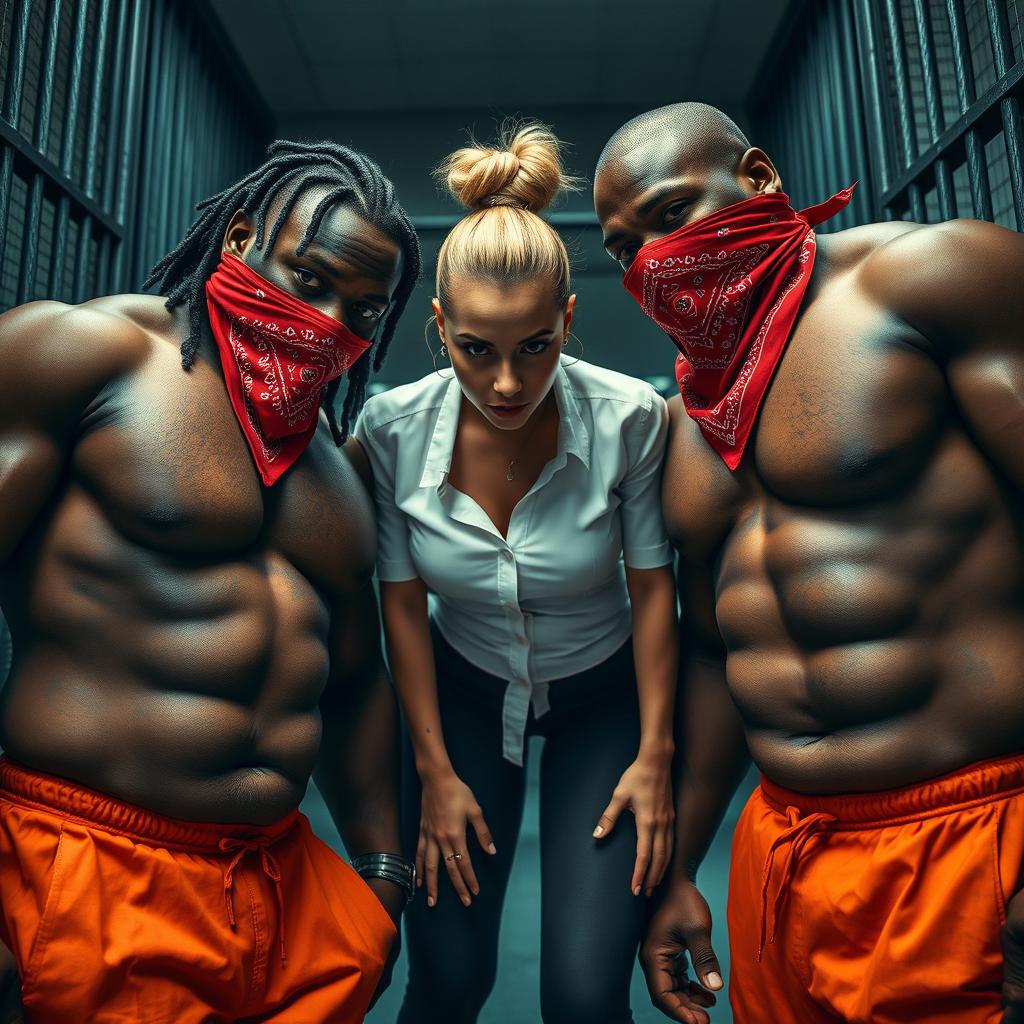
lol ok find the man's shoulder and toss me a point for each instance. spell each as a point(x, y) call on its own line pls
point(933, 275)
point(890, 256)
point(86, 344)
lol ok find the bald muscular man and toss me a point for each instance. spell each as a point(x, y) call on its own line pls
point(185, 559)
point(843, 487)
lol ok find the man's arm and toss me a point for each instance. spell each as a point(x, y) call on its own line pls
point(56, 360)
point(357, 767)
point(711, 761)
point(961, 286)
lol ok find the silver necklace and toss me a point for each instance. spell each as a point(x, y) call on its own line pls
point(510, 473)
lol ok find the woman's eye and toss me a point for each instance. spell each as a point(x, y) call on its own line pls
point(534, 348)
point(475, 350)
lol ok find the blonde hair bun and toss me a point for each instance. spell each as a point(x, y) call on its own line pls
point(523, 169)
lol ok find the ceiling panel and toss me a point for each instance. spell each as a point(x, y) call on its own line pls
point(321, 56)
point(359, 86)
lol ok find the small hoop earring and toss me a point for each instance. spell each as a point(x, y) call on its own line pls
point(578, 342)
point(442, 351)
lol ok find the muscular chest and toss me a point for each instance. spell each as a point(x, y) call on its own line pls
point(853, 416)
point(855, 409)
point(166, 461)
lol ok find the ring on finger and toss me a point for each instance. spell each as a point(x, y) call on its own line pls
point(454, 856)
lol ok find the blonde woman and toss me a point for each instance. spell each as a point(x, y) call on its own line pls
point(526, 590)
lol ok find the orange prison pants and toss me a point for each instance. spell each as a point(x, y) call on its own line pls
point(116, 914)
point(876, 908)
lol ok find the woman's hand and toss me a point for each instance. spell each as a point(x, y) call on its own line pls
point(646, 789)
point(448, 808)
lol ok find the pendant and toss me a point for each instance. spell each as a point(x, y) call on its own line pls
point(511, 474)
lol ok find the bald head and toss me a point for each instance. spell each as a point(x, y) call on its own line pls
point(670, 167)
point(697, 131)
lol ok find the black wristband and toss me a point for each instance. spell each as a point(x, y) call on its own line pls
point(390, 867)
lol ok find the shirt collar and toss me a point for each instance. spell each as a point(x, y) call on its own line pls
point(573, 436)
point(442, 442)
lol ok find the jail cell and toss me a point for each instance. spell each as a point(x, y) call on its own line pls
point(117, 117)
point(920, 99)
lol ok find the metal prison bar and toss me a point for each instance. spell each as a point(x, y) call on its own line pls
point(116, 117)
point(919, 99)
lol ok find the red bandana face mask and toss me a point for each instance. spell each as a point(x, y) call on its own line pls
point(278, 354)
point(727, 289)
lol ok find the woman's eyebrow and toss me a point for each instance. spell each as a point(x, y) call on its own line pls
point(483, 341)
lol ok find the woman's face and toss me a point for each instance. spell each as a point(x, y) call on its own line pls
point(504, 341)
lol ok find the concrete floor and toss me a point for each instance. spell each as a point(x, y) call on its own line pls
point(515, 999)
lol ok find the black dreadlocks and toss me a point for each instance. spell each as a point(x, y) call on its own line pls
point(291, 168)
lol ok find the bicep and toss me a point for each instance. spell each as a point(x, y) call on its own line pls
point(959, 285)
point(356, 455)
point(30, 465)
point(356, 664)
point(697, 617)
point(58, 359)
point(987, 384)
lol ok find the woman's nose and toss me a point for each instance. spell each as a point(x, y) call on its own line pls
point(507, 383)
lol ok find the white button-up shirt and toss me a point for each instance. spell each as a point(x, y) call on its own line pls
point(550, 600)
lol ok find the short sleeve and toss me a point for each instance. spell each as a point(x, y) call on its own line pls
point(645, 542)
point(394, 560)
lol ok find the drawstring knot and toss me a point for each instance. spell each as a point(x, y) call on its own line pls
point(800, 831)
point(270, 867)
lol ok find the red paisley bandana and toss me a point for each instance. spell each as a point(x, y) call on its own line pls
point(278, 354)
point(727, 289)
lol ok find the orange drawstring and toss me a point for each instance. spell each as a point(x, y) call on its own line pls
point(270, 869)
point(799, 832)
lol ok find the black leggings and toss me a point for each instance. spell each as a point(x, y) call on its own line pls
point(590, 921)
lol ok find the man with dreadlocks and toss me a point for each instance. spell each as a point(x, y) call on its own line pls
point(185, 555)
point(843, 484)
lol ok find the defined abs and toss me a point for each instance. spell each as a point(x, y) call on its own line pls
point(196, 696)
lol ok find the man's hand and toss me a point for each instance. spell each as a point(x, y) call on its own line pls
point(1013, 961)
point(392, 898)
point(11, 1011)
point(681, 925)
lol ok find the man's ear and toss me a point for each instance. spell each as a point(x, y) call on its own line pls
point(756, 168)
point(240, 235)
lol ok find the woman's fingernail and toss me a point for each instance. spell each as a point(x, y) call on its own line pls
point(430, 901)
point(465, 900)
point(599, 831)
point(636, 890)
point(491, 849)
point(476, 892)
point(714, 980)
